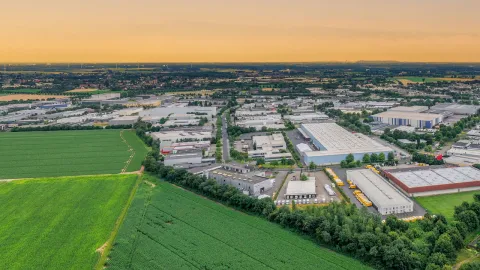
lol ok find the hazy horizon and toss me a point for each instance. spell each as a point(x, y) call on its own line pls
point(214, 31)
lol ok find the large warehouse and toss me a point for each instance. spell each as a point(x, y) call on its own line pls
point(334, 143)
point(426, 181)
point(384, 196)
point(403, 118)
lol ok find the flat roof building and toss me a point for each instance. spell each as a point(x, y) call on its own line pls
point(416, 109)
point(384, 196)
point(253, 183)
point(414, 119)
point(195, 111)
point(427, 181)
point(334, 143)
point(301, 189)
point(166, 138)
point(275, 140)
point(306, 117)
point(191, 157)
point(455, 108)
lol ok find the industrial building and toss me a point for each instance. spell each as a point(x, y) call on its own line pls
point(412, 109)
point(124, 120)
point(454, 108)
point(301, 189)
point(414, 119)
point(195, 111)
point(166, 138)
point(306, 117)
point(185, 157)
point(333, 143)
point(427, 181)
point(384, 196)
point(302, 148)
point(275, 140)
point(250, 182)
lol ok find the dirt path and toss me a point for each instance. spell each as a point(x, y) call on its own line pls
point(130, 148)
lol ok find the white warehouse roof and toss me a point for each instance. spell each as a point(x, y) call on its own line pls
point(338, 141)
point(301, 187)
point(378, 190)
point(408, 115)
point(428, 177)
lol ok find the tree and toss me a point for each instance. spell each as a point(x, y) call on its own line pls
point(358, 163)
point(349, 158)
point(373, 158)
point(381, 158)
point(444, 245)
point(391, 157)
point(260, 161)
point(366, 159)
point(312, 165)
point(469, 218)
point(470, 266)
point(283, 161)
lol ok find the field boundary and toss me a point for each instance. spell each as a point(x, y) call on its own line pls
point(105, 248)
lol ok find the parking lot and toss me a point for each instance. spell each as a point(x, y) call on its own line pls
point(321, 179)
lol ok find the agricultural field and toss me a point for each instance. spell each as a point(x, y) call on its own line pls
point(63, 153)
point(28, 97)
point(409, 80)
point(445, 204)
point(22, 90)
point(169, 228)
point(59, 223)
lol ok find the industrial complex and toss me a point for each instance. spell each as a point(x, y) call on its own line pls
point(333, 143)
point(384, 196)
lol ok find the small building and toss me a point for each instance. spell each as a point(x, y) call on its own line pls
point(301, 190)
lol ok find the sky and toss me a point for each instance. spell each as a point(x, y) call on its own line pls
point(96, 31)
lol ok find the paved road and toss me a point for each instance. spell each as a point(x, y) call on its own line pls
point(226, 146)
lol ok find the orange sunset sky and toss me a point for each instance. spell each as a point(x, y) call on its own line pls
point(239, 31)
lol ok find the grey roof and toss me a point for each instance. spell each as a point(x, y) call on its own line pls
point(438, 176)
point(250, 177)
point(377, 189)
point(301, 187)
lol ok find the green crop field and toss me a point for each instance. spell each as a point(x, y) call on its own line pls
point(170, 228)
point(59, 223)
point(22, 91)
point(445, 204)
point(61, 153)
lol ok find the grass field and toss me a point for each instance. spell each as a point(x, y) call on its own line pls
point(170, 228)
point(59, 223)
point(61, 153)
point(445, 204)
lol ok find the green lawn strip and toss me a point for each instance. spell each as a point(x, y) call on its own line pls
point(445, 204)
